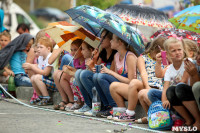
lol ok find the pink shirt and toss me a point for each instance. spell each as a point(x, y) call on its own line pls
point(77, 65)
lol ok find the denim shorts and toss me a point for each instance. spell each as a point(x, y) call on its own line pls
point(22, 80)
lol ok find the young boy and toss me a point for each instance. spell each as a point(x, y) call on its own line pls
point(42, 79)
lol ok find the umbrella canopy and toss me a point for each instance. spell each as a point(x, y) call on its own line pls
point(179, 33)
point(64, 34)
point(110, 22)
point(188, 19)
point(141, 15)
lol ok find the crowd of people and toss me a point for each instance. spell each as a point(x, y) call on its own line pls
point(124, 75)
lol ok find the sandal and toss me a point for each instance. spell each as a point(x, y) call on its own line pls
point(61, 104)
point(66, 107)
point(45, 102)
point(75, 106)
point(141, 121)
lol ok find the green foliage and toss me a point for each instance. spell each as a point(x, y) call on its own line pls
point(98, 3)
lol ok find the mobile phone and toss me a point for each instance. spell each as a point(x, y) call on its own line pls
point(164, 58)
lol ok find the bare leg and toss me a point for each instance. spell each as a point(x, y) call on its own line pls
point(134, 87)
point(143, 98)
point(119, 91)
point(193, 109)
point(56, 77)
point(35, 86)
point(185, 114)
point(41, 85)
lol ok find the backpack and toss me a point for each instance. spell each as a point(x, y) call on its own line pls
point(159, 117)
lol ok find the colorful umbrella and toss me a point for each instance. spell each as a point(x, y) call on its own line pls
point(110, 22)
point(141, 15)
point(64, 34)
point(179, 33)
point(188, 19)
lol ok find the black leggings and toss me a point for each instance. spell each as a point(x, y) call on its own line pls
point(177, 94)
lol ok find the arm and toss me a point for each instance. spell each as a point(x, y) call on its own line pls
point(8, 71)
point(165, 102)
point(185, 77)
point(131, 64)
point(30, 56)
point(143, 72)
point(159, 72)
point(54, 55)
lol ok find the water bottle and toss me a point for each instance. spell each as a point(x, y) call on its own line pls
point(96, 102)
point(11, 86)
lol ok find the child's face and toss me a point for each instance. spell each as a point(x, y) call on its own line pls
point(176, 52)
point(42, 50)
point(198, 58)
point(28, 46)
point(106, 41)
point(87, 53)
point(76, 50)
point(4, 40)
point(114, 42)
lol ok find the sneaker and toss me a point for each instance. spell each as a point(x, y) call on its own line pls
point(105, 113)
point(88, 113)
point(85, 108)
point(44, 102)
point(125, 118)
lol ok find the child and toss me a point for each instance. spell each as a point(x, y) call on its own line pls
point(84, 78)
point(62, 80)
point(42, 79)
point(19, 58)
point(87, 54)
point(5, 38)
point(191, 48)
point(146, 80)
point(174, 94)
point(125, 70)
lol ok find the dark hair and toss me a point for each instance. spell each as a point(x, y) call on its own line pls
point(23, 26)
point(77, 42)
point(88, 46)
point(109, 34)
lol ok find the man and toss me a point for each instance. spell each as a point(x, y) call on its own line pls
point(23, 28)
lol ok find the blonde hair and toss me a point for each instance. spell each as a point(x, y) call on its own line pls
point(46, 42)
point(6, 33)
point(190, 45)
point(156, 44)
point(172, 40)
point(40, 34)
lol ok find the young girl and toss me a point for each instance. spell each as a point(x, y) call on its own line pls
point(5, 38)
point(84, 78)
point(191, 48)
point(146, 80)
point(176, 94)
point(62, 80)
point(125, 70)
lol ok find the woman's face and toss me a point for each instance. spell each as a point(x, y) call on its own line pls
point(106, 42)
point(87, 53)
point(4, 40)
point(176, 52)
point(76, 51)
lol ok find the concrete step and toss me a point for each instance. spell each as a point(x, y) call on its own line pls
point(25, 93)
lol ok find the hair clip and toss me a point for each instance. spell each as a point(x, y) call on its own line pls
point(175, 36)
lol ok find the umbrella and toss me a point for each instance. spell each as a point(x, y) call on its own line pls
point(64, 34)
point(141, 15)
point(188, 19)
point(179, 33)
point(110, 22)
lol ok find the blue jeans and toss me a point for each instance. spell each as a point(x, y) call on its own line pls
point(154, 95)
point(102, 83)
point(66, 60)
point(22, 80)
point(85, 83)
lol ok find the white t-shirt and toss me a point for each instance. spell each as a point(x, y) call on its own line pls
point(42, 64)
point(173, 75)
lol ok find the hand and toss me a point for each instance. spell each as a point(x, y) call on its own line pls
point(9, 72)
point(190, 67)
point(95, 54)
point(158, 58)
point(105, 70)
point(94, 70)
point(90, 64)
point(27, 66)
point(166, 104)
